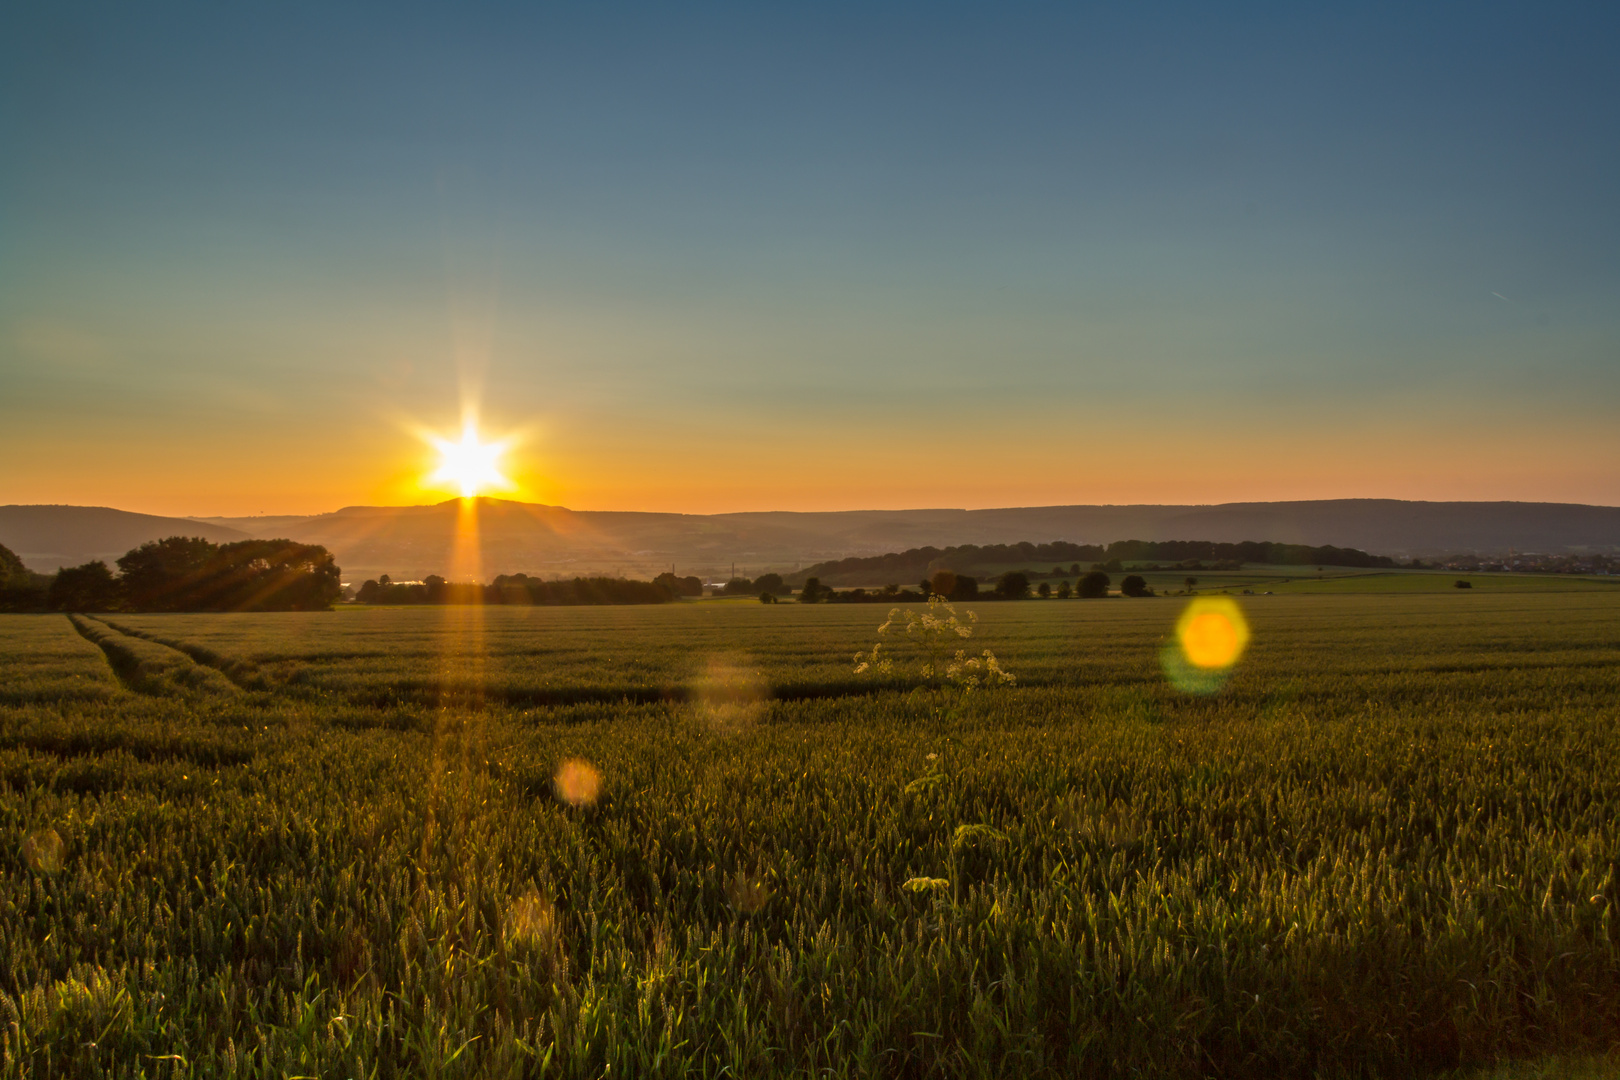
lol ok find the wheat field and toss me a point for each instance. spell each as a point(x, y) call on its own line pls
point(690, 840)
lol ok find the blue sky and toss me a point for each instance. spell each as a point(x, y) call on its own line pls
point(808, 258)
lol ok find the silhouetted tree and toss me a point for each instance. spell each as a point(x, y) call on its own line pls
point(13, 574)
point(190, 574)
point(738, 586)
point(966, 588)
point(944, 583)
point(1045, 591)
point(275, 575)
point(773, 584)
point(1012, 585)
point(1190, 582)
point(20, 588)
point(1460, 584)
point(168, 574)
point(90, 587)
point(767, 598)
point(1110, 560)
point(1094, 585)
point(523, 589)
point(1135, 585)
point(927, 588)
point(811, 593)
point(679, 586)
point(1064, 592)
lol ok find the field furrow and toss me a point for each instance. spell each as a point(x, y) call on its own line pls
point(148, 667)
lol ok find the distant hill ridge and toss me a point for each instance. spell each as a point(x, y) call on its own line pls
point(414, 541)
point(47, 538)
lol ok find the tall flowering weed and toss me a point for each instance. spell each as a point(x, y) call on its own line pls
point(931, 635)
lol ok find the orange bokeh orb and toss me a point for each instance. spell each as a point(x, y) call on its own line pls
point(578, 784)
point(1212, 633)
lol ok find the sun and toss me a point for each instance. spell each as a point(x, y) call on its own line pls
point(469, 465)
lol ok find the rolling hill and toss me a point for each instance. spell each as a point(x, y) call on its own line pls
point(47, 538)
point(413, 541)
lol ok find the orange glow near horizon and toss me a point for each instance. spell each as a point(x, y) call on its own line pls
point(711, 462)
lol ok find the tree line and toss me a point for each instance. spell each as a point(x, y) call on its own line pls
point(909, 564)
point(1012, 585)
point(192, 574)
point(183, 573)
point(521, 589)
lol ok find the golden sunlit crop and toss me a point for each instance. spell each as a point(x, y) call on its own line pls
point(729, 695)
point(42, 851)
point(469, 465)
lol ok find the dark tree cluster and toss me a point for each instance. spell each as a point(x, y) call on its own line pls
point(814, 592)
point(1110, 559)
point(1094, 586)
point(91, 587)
point(191, 574)
point(679, 586)
point(522, 589)
point(518, 590)
point(1249, 551)
point(951, 586)
point(765, 584)
point(183, 573)
point(1135, 585)
point(20, 588)
point(12, 570)
point(924, 561)
point(1013, 585)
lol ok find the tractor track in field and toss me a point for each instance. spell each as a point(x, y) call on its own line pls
point(148, 667)
point(244, 673)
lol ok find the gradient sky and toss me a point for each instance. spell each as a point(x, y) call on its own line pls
point(712, 258)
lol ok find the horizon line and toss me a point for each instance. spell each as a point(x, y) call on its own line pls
point(210, 518)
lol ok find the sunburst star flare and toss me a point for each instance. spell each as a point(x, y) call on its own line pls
point(470, 464)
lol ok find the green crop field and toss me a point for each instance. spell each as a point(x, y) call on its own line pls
point(1409, 581)
point(691, 840)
